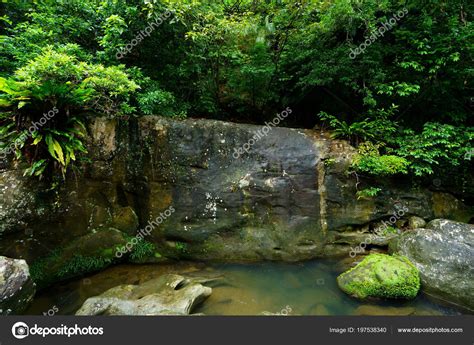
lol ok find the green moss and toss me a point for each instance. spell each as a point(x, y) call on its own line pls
point(143, 250)
point(108, 252)
point(329, 162)
point(39, 269)
point(380, 275)
point(91, 252)
point(79, 265)
point(390, 230)
point(51, 269)
point(182, 247)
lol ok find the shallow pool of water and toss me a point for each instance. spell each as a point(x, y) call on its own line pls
point(245, 289)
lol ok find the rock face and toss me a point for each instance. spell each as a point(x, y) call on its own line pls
point(444, 255)
point(286, 197)
point(381, 276)
point(16, 287)
point(20, 202)
point(88, 253)
point(170, 294)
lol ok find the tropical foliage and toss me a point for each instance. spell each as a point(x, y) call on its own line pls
point(409, 93)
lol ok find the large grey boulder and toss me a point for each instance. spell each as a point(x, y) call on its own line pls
point(170, 294)
point(444, 255)
point(16, 287)
point(288, 196)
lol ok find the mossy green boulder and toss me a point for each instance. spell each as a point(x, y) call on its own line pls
point(89, 253)
point(381, 276)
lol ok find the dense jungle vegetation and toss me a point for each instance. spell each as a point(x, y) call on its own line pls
point(402, 95)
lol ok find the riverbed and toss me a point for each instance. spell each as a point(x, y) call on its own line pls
point(307, 288)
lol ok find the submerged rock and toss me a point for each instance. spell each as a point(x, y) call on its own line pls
point(170, 294)
point(377, 310)
point(16, 287)
point(319, 309)
point(444, 255)
point(380, 275)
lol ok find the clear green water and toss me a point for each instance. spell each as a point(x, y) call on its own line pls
point(245, 289)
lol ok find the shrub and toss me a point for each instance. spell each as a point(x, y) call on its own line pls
point(45, 103)
point(368, 160)
point(368, 192)
point(376, 126)
point(437, 145)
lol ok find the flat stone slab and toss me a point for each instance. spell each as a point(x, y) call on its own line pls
point(170, 294)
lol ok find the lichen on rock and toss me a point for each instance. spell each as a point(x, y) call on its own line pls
point(16, 287)
point(443, 252)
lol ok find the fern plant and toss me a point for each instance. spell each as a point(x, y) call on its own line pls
point(42, 140)
point(374, 127)
point(44, 106)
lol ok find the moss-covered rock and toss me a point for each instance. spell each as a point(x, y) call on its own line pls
point(383, 276)
point(88, 253)
point(145, 252)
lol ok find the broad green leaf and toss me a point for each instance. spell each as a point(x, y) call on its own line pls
point(59, 151)
point(49, 142)
point(38, 138)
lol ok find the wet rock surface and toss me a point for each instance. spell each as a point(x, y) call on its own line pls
point(444, 254)
point(376, 310)
point(287, 198)
point(85, 254)
point(247, 289)
point(170, 294)
point(22, 202)
point(416, 222)
point(16, 287)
